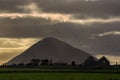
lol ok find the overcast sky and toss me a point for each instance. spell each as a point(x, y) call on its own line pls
point(90, 25)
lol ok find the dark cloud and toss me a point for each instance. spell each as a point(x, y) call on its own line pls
point(12, 5)
point(36, 27)
point(75, 34)
point(82, 8)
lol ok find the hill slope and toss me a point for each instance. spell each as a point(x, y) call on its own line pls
point(51, 48)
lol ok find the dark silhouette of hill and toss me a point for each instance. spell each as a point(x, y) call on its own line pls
point(51, 48)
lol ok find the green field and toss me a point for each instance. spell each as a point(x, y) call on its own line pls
point(59, 76)
point(63, 70)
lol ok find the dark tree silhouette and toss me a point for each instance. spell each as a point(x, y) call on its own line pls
point(13, 65)
point(90, 62)
point(35, 62)
point(51, 62)
point(45, 62)
point(103, 62)
point(73, 63)
point(21, 65)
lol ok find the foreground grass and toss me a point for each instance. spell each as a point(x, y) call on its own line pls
point(59, 76)
point(55, 70)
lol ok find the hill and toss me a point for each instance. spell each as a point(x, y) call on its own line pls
point(51, 48)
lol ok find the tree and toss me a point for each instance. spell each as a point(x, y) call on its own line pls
point(73, 63)
point(90, 62)
point(35, 62)
point(21, 65)
point(50, 62)
point(45, 62)
point(103, 62)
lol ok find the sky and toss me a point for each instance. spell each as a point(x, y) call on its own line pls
point(90, 25)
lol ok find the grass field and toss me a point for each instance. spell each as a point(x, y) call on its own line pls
point(37, 70)
point(59, 76)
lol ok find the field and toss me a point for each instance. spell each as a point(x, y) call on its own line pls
point(41, 74)
point(59, 76)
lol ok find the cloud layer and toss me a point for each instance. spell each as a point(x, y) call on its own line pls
point(91, 25)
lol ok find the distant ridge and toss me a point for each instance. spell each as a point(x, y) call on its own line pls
point(51, 48)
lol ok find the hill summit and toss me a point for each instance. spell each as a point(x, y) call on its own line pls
point(51, 48)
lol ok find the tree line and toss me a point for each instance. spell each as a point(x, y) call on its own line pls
point(90, 62)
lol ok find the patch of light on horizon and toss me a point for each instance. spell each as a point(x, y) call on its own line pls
point(112, 59)
point(11, 47)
